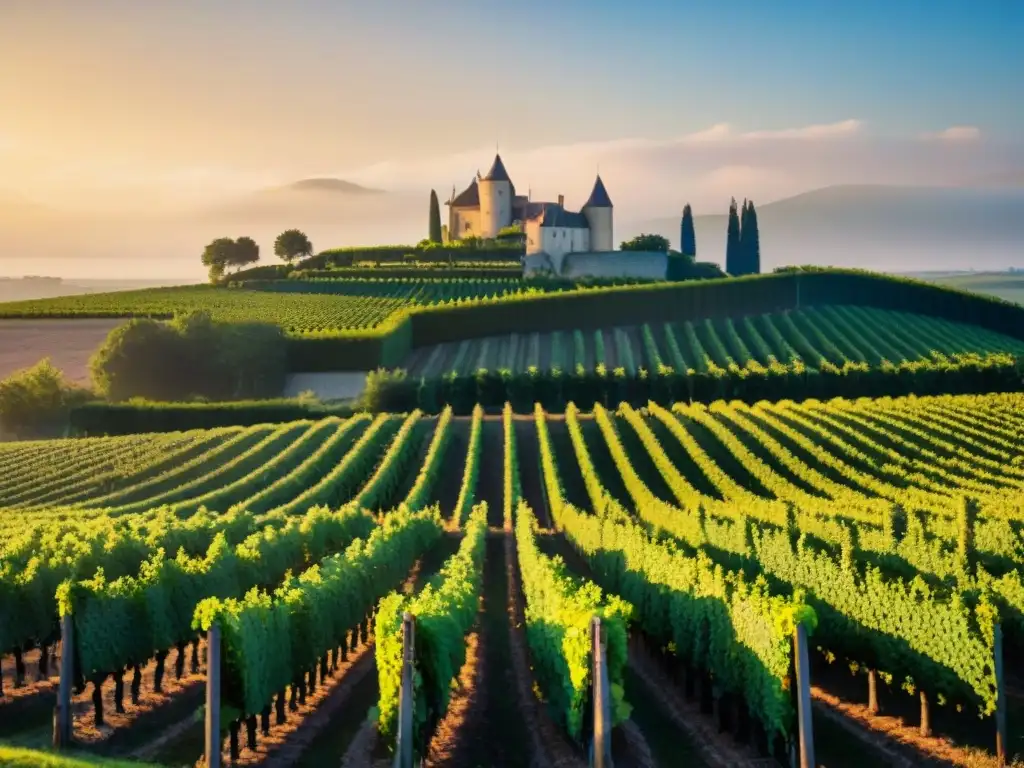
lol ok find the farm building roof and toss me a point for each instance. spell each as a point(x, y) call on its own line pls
point(554, 215)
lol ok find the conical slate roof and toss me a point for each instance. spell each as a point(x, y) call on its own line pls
point(598, 196)
point(497, 172)
point(468, 198)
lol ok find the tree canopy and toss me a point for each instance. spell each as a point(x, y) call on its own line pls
point(34, 402)
point(191, 356)
point(646, 243)
point(224, 252)
point(291, 244)
point(246, 252)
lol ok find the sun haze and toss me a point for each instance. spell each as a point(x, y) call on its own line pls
point(149, 126)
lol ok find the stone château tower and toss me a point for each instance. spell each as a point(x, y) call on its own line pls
point(496, 194)
point(598, 210)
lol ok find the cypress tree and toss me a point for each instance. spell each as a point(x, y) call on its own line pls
point(732, 242)
point(688, 237)
point(752, 242)
point(435, 218)
point(741, 258)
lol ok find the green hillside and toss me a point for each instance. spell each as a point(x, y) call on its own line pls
point(835, 334)
point(1008, 286)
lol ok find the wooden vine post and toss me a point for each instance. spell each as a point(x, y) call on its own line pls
point(601, 748)
point(212, 725)
point(873, 691)
point(62, 718)
point(403, 745)
point(1000, 698)
point(803, 683)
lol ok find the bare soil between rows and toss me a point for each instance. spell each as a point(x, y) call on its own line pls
point(69, 344)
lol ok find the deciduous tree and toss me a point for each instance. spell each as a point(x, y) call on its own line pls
point(246, 252)
point(34, 402)
point(217, 256)
point(646, 243)
point(291, 244)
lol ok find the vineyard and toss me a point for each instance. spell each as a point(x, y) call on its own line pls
point(816, 336)
point(841, 323)
point(704, 537)
point(299, 306)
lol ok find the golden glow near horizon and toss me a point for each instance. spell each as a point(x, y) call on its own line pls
point(125, 115)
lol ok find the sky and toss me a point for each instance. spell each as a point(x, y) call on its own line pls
point(120, 105)
point(241, 93)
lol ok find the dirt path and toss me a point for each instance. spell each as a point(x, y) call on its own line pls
point(490, 483)
point(68, 343)
point(27, 717)
point(697, 732)
point(892, 739)
point(420, 438)
point(675, 728)
point(486, 725)
point(320, 731)
point(137, 725)
point(326, 708)
point(446, 490)
point(530, 472)
point(959, 738)
point(568, 467)
point(547, 745)
point(33, 684)
point(601, 455)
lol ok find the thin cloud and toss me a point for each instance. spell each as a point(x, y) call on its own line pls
point(561, 162)
point(717, 132)
point(842, 129)
point(955, 133)
point(643, 174)
point(723, 133)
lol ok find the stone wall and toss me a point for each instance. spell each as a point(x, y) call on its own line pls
point(652, 266)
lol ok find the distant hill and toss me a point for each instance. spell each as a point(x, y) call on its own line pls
point(1005, 285)
point(329, 185)
point(329, 210)
point(1010, 178)
point(165, 242)
point(888, 228)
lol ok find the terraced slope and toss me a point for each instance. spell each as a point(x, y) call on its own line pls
point(815, 336)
